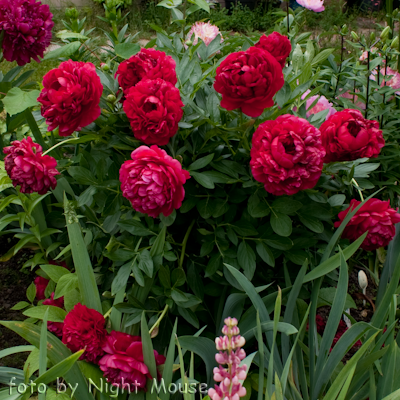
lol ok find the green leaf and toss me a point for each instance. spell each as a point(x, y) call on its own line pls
point(314, 224)
point(201, 162)
point(64, 34)
point(201, 4)
point(281, 224)
point(84, 270)
point(126, 50)
point(286, 205)
point(203, 347)
point(135, 228)
point(265, 253)
point(203, 180)
point(15, 350)
point(169, 3)
point(82, 175)
point(146, 263)
point(64, 51)
point(158, 246)
point(332, 263)
point(31, 292)
point(321, 57)
point(55, 314)
point(327, 295)
point(244, 228)
point(247, 259)
point(178, 277)
point(122, 278)
point(282, 327)
point(20, 305)
point(65, 284)
point(18, 100)
point(169, 363)
point(54, 272)
point(148, 357)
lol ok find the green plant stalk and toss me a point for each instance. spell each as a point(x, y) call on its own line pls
point(184, 243)
point(34, 128)
point(389, 11)
point(341, 62)
point(159, 319)
point(367, 94)
point(57, 145)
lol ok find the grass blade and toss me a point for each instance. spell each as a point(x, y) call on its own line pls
point(168, 366)
point(80, 255)
point(43, 351)
point(148, 357)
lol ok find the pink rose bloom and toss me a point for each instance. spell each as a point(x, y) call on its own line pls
point(153, 181)
point(26, 25)
point(123, 364)
point(55, 327)
point(321, 105)
point(313, 5)
point(27, 167)
point(205, 31)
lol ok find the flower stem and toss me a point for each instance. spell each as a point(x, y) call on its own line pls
point(159, 319)
point(57, 145)
point(185, 239)
point(340, 67)
point(367, 96)
point(358, 189)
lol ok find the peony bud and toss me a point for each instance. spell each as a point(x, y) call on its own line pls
point(111, 98)
point(104, 67)
point(395, 43)
point(189, 42)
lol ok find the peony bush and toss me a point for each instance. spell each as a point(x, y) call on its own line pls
point(206, 182)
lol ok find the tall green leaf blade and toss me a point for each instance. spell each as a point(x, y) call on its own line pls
point(148, 357)
point(56, 351)
point(169, 363)
point(43, 351)
point(80, 255)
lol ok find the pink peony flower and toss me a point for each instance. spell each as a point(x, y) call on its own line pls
point(27, 28)
point(205, 31)
point(230, 354)
point(153, 181)
point(287, 155)
point(321, 105)
point(386, 72)
point(123, 364)
point(70, 97)
point(353, 97)
point(154, 109)
point(376, 217)
point(147, 64)
point(313, 5)
point(55, 327)
point(27, 167)
point(84, 328)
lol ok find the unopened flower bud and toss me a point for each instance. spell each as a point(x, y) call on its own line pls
point(155, 330)
point(72, 13)
point(362, 279)
point(189, 42)
point(111, 98)
point(384, 48)
point(385, 33)
point(104, 67)
point(372, 36)
point(355, 36)
point(395, 43)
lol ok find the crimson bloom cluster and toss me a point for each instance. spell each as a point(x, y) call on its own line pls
point(152, 180)
point(119, 355)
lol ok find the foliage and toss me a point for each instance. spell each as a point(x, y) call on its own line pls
point(231, 246)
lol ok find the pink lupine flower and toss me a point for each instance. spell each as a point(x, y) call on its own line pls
point(230, 354)
point(321, 105)
point(205, 31)
point(313, 5)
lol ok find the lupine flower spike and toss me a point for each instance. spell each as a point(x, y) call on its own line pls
point(230, 354)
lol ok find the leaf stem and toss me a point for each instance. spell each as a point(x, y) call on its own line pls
point(185, 239)
point(159, 319)
point(358, 189)
point(57, 145)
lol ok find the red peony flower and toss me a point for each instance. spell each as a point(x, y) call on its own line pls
point(41, 285)
point(84, 329)
point(154, 108)
point(27, 167)
point(287, 155)
point(277, 45)
point(70, 97)
point(153, 181)
point(123, 365)
point(26, 25)
point(320, 322)
point(347, 135)
point(149, 64)
point(376, 217)
point(55, 327)
point(249, 80)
